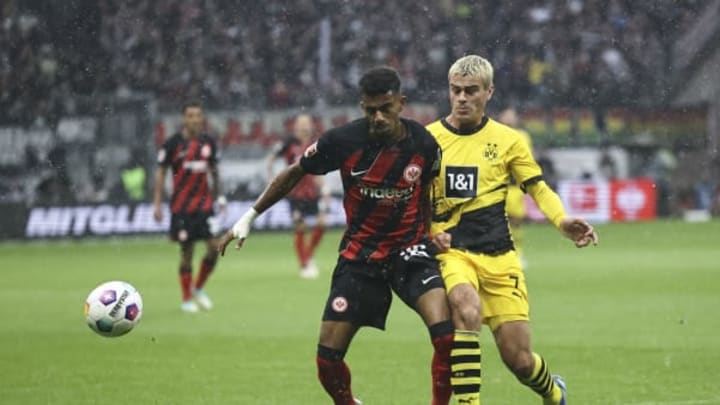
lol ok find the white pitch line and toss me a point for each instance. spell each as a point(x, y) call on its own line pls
point(714, 401)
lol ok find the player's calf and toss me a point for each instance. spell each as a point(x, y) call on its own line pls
point(466, 355)
point(334, 375)
point(442, 339)
point(532, 371)
point(206, 268)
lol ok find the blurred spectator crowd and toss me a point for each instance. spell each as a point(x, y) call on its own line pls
point(56, 56)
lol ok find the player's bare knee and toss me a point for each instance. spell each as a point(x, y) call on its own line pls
point(186, 259)
point(336, 335)
point(466, 317)
point(465, 307)
point(299, 225)
point(211, 253)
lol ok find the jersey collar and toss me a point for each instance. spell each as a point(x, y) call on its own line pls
point(456, 131)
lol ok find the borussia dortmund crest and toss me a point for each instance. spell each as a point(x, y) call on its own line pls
point(491, 151)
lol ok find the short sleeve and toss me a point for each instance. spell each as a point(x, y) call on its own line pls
point(433, 167)
point(215, 154)
point(322, 156)
point(433, 157)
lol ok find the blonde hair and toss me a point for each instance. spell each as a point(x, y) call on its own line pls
point(473, 66)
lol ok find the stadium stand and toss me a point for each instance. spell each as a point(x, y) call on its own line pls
point(231, 54)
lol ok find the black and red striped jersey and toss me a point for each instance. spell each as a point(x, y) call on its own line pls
point(191, 160)
point(291, 150)
point(384, 186)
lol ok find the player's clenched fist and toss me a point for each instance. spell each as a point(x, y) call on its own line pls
point(442, 241)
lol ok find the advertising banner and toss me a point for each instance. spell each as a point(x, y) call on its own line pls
point(128, 219)
point(632, 200)
point(597, 201)
point(604, 200)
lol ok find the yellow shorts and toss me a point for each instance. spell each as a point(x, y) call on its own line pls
point(515, 203)
point(499, 281)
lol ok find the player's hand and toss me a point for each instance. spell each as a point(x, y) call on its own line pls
point(579, 231)
point(226, 239)
point(239, 231)
point(442, 241)
point(158, 213)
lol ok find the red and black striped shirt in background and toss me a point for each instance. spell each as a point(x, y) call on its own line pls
point(291, 150)
point(383, 186)
point(191, 160)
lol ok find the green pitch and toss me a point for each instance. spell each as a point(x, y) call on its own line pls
point(635, 321)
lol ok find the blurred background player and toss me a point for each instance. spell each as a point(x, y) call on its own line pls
point(386, 164)
point(193, 158)
point(304, 199)
point(482, 271)
point(515, 200)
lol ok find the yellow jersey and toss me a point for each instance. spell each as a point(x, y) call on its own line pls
point(470, 192)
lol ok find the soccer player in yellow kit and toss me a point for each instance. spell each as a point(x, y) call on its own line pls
point(480, 267)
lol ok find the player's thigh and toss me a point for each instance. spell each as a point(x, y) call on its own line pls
point(418, 283)
point(322, 219)
point(187, 249)
point(297, 219)
point(433, 307)
point(179, 232)
point(457, 268)
point(337, 335)
point(323, 211)
point(357, 298)
point(179, 224)
point(503, 290)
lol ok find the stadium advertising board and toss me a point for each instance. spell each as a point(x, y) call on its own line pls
point(632, 200)
point(127, 219)
point(604, 200)
point(599, 201)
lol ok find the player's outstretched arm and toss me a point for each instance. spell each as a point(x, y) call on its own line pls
point(277, 189)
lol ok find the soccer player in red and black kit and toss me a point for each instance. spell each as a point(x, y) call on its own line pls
point(386, 164)
point(192, 156)
point(304, 197)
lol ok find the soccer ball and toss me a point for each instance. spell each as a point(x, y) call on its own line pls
point(113, 308)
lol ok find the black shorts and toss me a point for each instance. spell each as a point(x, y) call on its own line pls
point(360, 292)
point(186, 228)
point(305, 207)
